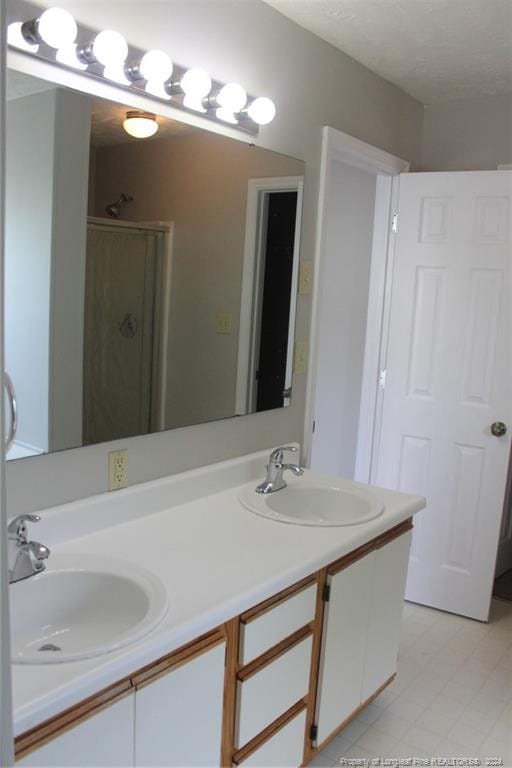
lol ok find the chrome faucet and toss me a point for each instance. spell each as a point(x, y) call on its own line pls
point(275, 468)
point(27, 557)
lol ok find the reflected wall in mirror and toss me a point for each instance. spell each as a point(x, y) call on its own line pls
point(150, 283)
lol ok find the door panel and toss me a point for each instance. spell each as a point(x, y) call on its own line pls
point(449, 377)
point(119, 312)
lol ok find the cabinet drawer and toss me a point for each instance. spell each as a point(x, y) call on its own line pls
point(285, 749)
point(261, 632)
point(272, 690)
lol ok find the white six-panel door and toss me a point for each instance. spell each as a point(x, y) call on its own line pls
point(449, 377)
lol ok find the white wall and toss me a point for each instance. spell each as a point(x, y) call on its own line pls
point(313, 84)
point(468, 134)
point(28, 245)
point(69, 234)
point(342, 320)
point(46, 204)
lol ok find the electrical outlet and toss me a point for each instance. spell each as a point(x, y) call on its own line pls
point(305, 277)
point(224, 322)
point(117, 469)
point(301, 357)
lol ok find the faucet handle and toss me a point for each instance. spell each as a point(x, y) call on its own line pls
point(277, 453)
point(17, 528)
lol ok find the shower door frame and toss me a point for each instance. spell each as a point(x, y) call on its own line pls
point(164, 232)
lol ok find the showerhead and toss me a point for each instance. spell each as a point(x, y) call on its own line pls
point(114, 209)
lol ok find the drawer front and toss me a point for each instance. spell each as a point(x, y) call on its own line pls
point(268, 629)
point(285, 749)
point(270, 692)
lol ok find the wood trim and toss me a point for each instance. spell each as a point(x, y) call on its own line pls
point(349, 719)
point(230, 690)
point(364, 549)
point(56, 726)
point(182, 655)
point(269, 731)
point(272, 602)
point(275, 652)
point(315, 664)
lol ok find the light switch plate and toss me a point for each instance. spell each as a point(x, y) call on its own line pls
point(117, 469)
point(301, 357)
point(224, 322)
point(305, 277)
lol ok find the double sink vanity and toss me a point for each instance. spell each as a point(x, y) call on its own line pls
point(194, 621)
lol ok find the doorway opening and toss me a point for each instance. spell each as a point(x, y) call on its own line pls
point(269, 289)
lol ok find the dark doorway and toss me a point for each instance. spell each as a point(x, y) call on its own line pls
point(281, 212)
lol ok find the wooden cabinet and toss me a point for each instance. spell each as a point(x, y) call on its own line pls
point(271, 691)
point(360, 632)
point(104, 739)
point(248, 692)
point(178, 716)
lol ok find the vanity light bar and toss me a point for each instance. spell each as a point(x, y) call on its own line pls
point(53, 36)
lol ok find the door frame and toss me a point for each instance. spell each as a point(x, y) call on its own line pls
point(343, 148)
point(252, 287)
point(6, 719)
point(164, 231)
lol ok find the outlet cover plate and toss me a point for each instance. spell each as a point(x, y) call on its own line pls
point(117, 469)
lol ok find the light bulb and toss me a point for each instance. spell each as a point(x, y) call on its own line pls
point(115, 72)
point(226, 115)
point(157, 88)
point(68, 56)
point(192, 102)
point(262, 110)
point(17, 40)
point(155, 66)
point(231, 97)
point(140, 125)
point(57, 28)
point(196, 83)
point(109, 48)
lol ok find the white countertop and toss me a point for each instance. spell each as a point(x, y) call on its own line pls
point(215, 558)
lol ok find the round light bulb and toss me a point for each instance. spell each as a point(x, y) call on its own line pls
point(232, 97)
point(140, 125)
point(67, 55)
point(115, 72)
point(191, 102)
point(226, 115)
point(196, 83)
point(109, 48)
point(57, 28)
point(155, 66)
point(157, 88)
point(16, 39)
point(262, 110)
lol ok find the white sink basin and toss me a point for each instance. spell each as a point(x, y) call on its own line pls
point(303, 502)
point(82, 607)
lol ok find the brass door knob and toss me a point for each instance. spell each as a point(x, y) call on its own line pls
point(498, 429)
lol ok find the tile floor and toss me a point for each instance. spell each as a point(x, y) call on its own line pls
point(452, 697)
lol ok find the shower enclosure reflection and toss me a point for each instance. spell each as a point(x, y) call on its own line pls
point(150, 284)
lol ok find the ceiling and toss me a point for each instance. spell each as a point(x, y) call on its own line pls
point(435, 50)
point(107, 124)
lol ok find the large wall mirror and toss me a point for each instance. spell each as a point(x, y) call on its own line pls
point(150, 282)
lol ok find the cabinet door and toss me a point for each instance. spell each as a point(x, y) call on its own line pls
point(386, 606)
point(178, 718)
point(343, 645)
point(105, 739)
